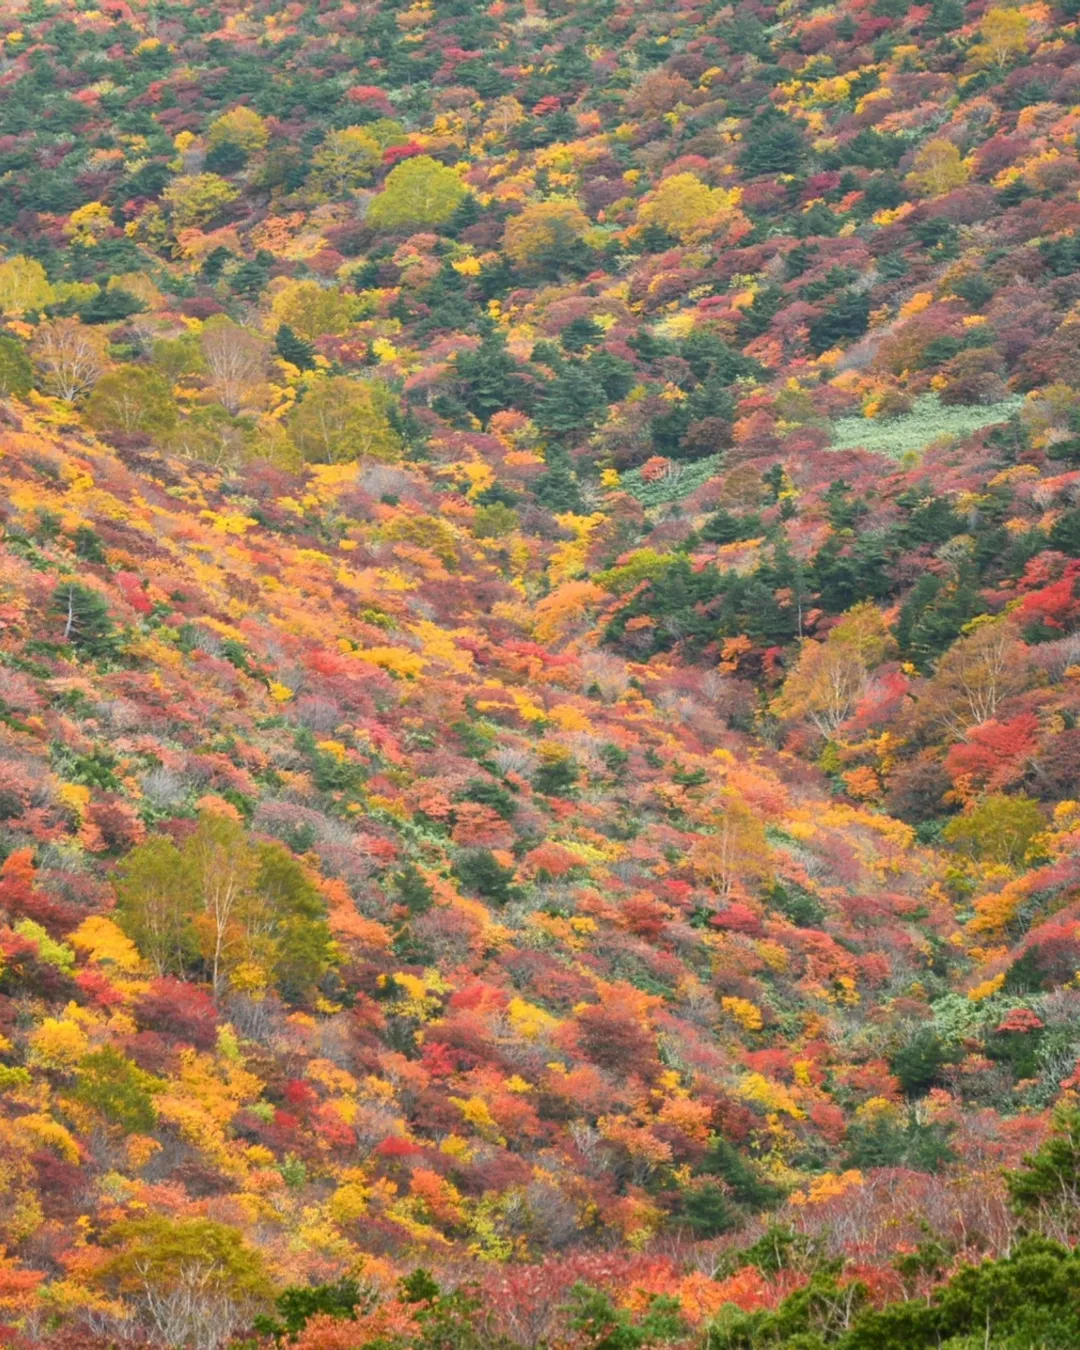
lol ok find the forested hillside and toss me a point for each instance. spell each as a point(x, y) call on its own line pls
point(539, 675)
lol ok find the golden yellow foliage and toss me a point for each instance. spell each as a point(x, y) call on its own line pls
point(686, 207)
point(104, 943)
point(756, 1088)
point(747, 1014)
point(544, 230)
point(938, 169)
point(530, 1021)
point(58, 1043)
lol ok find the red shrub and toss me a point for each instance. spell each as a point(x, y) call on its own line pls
point(180, 1012)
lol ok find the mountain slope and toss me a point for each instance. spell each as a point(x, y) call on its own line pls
point(539, 722)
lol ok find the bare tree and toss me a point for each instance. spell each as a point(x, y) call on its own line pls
point(193, 1311)
point(70, 357)
point(235, 360)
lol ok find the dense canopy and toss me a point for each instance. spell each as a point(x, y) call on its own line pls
point(539, 675)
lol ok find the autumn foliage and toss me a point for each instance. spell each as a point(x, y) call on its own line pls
point(539, 675)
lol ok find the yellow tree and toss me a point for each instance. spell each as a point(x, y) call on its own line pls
point(503, 115)
point(997, 829)
point(938, 169)
point(341, 420)
point(311, 310)
point(225, 868)
point(89, 224)
point(345, 160)
point(1004, 34)
point(129, 399)
point(156, 902)
point(567, 610)
point(823, 687)
point(23, 285)
point(974, 677)
point(831, 676)
point(545, 232)
point(195, 199)
point(686, 207)
point(459, 108)
point(242, 127)
point(735, 849)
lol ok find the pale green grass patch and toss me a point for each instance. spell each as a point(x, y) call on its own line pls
point(929, 421)
point(682, 480)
